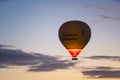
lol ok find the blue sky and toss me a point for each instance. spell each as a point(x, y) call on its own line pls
point(32, 26)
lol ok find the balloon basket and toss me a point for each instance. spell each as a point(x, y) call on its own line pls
point(74, 58)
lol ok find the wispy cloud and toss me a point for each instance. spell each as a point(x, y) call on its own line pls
point(98, 7)
point(113, 58)
point(104, 8)
point(102, 73)
point(105, 17)
point(36, 61)
point(115, 18)
point(5, 46)
point(103, 68)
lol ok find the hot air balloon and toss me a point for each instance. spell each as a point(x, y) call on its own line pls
point(74, 35)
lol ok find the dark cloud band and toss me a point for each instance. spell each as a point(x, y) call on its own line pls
point(36, 61)
point(113, 58)
point(102, 74)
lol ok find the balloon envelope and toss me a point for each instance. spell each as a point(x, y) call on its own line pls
point(74, 35)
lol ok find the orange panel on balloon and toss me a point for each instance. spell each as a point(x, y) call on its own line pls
point(74, 52)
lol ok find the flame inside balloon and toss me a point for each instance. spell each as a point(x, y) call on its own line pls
point(74, 52)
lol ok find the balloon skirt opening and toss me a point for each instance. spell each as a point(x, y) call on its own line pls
point(74, 58)
point(74, 52)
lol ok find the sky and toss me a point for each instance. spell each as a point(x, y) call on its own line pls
point(30, 48)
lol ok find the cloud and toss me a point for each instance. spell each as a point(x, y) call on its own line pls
point(98, 7)
point(113, 58)
point(116, 18)
point(51, 66)
point(5, 46)
point(103, 68)
point(104, 8)
point(102, 73)
point(34, 61)
point(105, 17)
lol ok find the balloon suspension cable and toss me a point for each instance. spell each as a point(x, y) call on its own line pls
point(74, 58)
